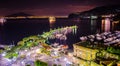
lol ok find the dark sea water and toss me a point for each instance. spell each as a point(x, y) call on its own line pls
point(15, 30)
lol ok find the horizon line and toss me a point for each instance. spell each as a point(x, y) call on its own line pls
point(18, 17)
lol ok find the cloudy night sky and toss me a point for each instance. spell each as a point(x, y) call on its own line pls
point(50, 7)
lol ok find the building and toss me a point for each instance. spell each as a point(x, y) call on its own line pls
point(84, 56)
point(87, 55)
point(83, 52)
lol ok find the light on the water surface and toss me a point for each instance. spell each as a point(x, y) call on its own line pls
point(107, 24)
point(2, 20)
point(52, 19)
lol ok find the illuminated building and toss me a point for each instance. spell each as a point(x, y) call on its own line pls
point(85, 54)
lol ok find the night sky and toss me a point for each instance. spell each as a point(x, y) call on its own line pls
point(50, 7)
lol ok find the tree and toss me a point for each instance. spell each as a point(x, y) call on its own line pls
point(40, 63)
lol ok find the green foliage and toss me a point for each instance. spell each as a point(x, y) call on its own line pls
point(43, 50)
point(16, 48)
point(27, 65)
point(11, 55)
point(20, 43)
point(40, 63)
point(13, 52)
point(54, 64)
point(107, 55)
point(113, 50)
point(1, 51)
point(6, 48)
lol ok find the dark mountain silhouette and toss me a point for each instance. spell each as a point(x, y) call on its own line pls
point(19, 14)
point(73, 15)
point(103, 10)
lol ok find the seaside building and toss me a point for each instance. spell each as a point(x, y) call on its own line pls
point(87, 55)
point(84, 56)
point(83, 52)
